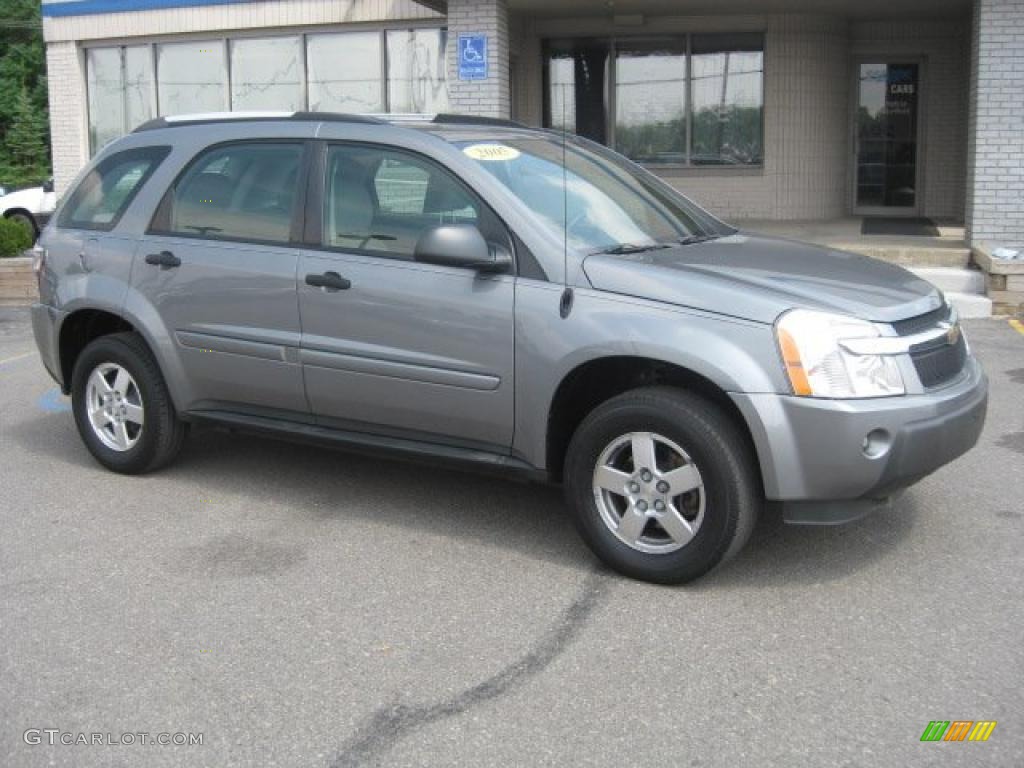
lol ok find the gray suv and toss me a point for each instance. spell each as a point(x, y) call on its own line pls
point(480, 292)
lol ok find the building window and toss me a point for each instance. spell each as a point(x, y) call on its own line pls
point(687, 100)
point(191, 77)
point(403, 70)
point(266, 73)
point(417, 80)
point(120, 91)
point(344, 72)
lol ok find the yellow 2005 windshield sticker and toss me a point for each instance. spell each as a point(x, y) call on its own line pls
point(491, 152)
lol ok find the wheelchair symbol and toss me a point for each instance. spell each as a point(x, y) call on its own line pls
point(470, 55)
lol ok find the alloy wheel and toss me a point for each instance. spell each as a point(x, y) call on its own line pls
point(649, 492)
point(114, 405)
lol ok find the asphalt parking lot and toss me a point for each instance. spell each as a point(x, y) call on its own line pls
point(303, 607)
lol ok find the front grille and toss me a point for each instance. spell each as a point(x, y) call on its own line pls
point(938, 362)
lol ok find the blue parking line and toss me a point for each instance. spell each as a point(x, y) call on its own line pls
point(53, 401)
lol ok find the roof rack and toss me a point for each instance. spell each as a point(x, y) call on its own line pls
point(203, 118)
point(445, 118)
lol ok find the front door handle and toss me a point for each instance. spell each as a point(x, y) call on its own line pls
point(163, 259)
point(332, 281)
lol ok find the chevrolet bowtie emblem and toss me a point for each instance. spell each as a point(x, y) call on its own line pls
point(952, 332)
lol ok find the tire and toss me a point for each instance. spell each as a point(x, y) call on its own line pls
point(149, 445)
point(689, 432)
point(27, 222)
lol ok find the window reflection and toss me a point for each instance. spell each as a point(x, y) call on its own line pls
point(417, 79)
point(727, 85)
point(724, 75)
point(265, 74)
point(650, 103)
point(106, 104)
point(120, 91)
point(191, 77)
point(344, 72)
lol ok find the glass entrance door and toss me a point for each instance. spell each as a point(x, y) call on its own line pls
point(886, 138)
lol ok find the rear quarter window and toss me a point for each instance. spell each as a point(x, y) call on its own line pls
point(106, 191)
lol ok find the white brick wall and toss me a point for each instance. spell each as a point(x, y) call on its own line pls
point(69, 136)
point(995, 161)
point(491, 97)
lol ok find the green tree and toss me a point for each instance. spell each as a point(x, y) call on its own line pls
point(24, 115)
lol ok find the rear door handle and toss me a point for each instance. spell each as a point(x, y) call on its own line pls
point(332, 281)
point(163, 259)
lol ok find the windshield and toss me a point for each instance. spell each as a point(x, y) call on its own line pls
point(604, 203)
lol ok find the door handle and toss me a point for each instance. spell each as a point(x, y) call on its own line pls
point(332, 281)
point(163, 259)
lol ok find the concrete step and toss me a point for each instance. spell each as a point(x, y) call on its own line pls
point(909, 256)
point(953, 280)
point(970, 304)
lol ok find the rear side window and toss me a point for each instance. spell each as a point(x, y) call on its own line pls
point(244, 191)
point(102, 197)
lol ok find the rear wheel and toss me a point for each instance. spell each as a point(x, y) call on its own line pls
point(121, 405)
point(662, 484)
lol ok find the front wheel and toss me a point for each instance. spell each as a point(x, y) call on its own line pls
point(122, 407)
point(662, 484)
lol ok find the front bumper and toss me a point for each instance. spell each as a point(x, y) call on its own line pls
point(812, 451)
point(45, 322)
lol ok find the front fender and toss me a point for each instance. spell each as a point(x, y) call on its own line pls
point(735, 355)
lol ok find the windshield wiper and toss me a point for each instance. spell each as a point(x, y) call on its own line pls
point(702, 238)
point(623, 248)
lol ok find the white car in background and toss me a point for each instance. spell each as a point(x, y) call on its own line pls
point(30, 207)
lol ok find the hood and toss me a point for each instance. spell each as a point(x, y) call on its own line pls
point(758, 278)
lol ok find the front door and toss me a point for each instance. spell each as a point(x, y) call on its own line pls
point(218, 267)
point(886, 150)
point(395, 346)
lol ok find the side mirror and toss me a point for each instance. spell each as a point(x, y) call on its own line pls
point(48, 185)
point(460, 245)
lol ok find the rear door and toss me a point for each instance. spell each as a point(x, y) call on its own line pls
point(391, 345)
point(219, 265)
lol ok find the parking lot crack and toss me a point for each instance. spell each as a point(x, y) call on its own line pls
point(391, 723)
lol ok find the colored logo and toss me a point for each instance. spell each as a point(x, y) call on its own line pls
point(958, 730)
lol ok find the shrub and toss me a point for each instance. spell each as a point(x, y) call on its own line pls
point(14, 240)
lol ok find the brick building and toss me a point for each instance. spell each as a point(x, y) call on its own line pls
point(778, 109)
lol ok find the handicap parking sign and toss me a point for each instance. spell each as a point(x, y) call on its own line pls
point(472, 57)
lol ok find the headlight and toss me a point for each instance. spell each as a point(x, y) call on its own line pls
point(819, 366)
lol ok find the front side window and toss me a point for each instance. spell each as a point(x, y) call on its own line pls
point(103, 195)
point(686, 100)
point(236, 192)
point(598, 202)
point(382, 200)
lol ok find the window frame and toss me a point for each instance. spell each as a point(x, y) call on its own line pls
point(159, 224)
point(316, 198)
point(610, 106)
point(158, 153)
